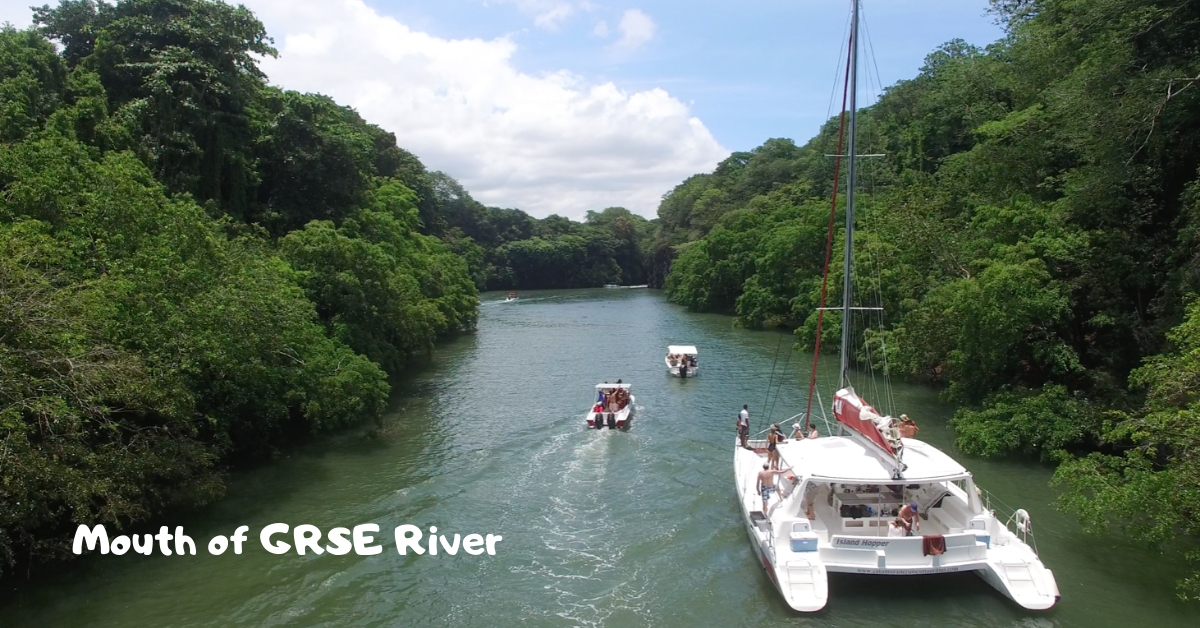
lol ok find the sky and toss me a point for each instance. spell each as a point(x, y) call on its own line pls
point(565, 106)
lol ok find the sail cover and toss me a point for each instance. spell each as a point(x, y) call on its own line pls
point(858, 415)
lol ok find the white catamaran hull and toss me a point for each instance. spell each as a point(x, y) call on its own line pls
point(798, 564)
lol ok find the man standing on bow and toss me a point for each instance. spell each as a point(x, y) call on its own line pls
point(743, 426)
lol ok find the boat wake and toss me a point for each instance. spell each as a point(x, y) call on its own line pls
point(582, 567)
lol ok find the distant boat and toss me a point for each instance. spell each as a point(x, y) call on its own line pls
point(681, 361)
point(613, 406)
point(512, 296)
point(612, 285)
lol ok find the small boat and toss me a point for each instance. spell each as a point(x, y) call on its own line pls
point(681, 361)
point(613, 407)
point(611, 286)
point(512, 296)
point(871, 498)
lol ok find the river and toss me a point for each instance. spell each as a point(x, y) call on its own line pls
point(612, 528)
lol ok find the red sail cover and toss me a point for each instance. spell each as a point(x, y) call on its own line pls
point(858, 415)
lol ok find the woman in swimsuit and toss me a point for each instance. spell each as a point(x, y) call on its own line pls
point(774, 437)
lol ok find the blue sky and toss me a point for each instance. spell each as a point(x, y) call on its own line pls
point(563, 106)
point(750, 70)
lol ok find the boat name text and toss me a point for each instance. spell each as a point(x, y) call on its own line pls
point(871, 543)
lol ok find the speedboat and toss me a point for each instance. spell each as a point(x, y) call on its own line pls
point(613, 406)
point(512, 296)
point(681, 361)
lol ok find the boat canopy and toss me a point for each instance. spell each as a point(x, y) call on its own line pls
point(684, 349)
point(846, 459)
point(606, 386)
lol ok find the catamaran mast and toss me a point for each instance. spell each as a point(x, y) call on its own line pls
point(846, 287)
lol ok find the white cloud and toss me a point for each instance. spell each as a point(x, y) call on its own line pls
point(546, 144)
point(637, 29)
point(600, 29)
point(548, 14)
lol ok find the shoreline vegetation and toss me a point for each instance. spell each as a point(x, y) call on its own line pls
point(199, 269)
point(1032, 236)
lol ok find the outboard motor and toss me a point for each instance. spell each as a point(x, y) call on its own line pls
point(599, 422)
point(612, 421)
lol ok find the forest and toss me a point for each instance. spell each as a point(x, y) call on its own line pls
point(1031, 234)
point(199, 269)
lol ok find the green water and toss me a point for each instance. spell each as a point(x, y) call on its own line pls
point(636, 528)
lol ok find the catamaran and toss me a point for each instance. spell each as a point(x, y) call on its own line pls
point(681, 361)
point(613, 407)
point(873, 499)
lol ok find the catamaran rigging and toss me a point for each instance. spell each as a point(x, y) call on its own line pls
point(848, 495)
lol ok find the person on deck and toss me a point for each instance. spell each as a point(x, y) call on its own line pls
point(774, 437)
point(909, 519)
point(797, 432)
point(766, 485)
point(809, 503)
point(743, 426)
point(814, 433)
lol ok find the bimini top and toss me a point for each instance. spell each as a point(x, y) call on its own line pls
point(684, 349)
point(846, 459)
point(607, 386)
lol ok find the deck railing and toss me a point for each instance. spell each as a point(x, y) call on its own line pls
point(1017, 520)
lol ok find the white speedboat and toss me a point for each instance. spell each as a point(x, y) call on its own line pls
point(681, 361)
point(613, 407)
point(873, 499)
point(512, 296)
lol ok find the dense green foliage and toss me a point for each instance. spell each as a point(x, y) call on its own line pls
point(199, 268)
point(1030, 234)
point(195, 268)
point(507, 248)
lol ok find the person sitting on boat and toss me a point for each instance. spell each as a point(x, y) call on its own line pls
point(809, 503)
point(896, 527)
point(766, 484)
point(908, 518)
point(908, 427)
point(814, 433)
point(691, 359)
point(797, 432)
